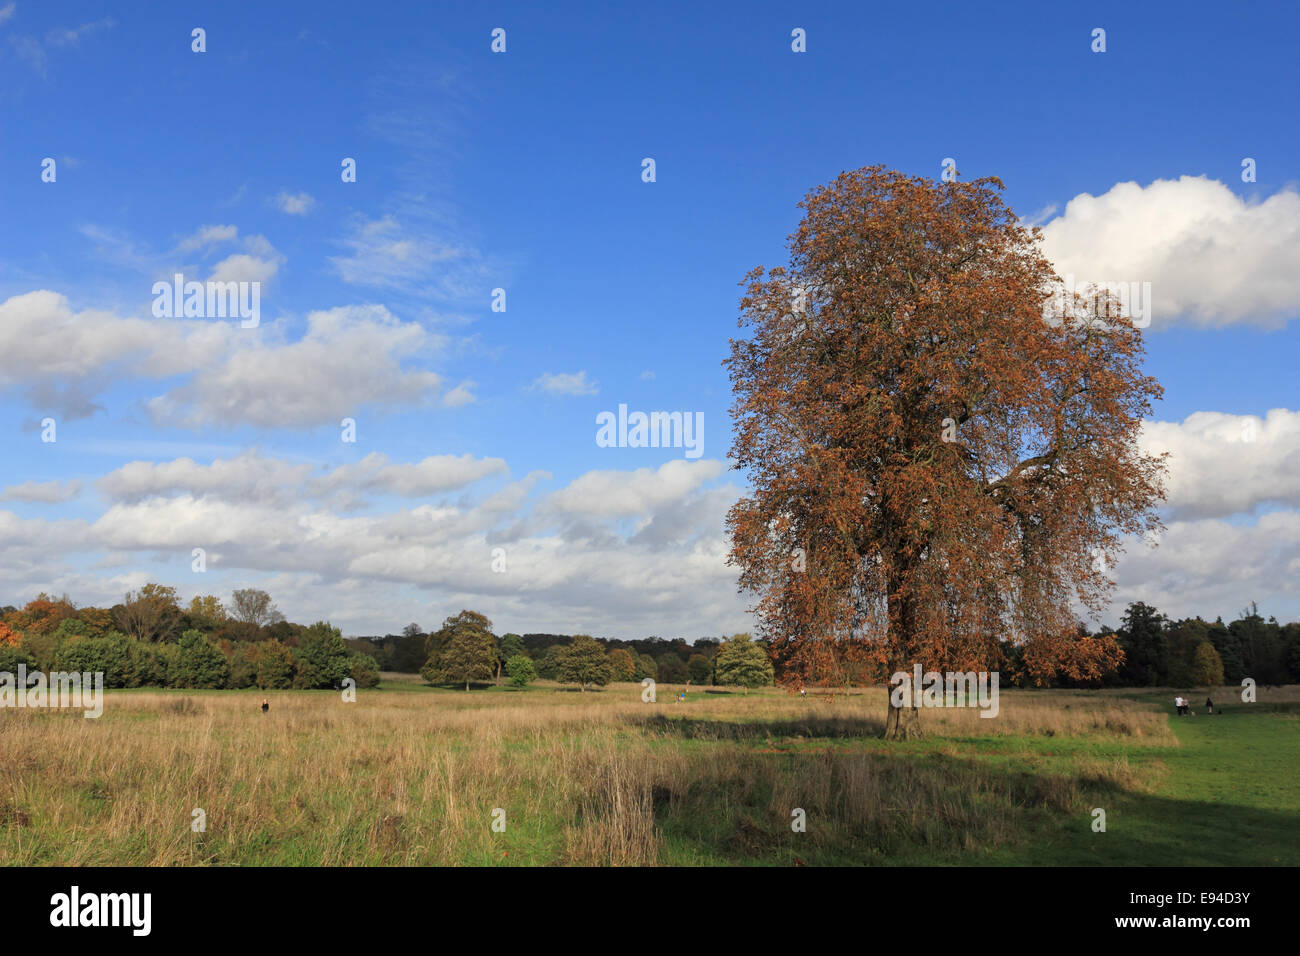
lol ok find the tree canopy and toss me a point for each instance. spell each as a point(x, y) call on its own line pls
point(938, 458)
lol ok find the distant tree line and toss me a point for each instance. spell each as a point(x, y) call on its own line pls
point(1159, 652)
point(151, 640)
point(465, 651)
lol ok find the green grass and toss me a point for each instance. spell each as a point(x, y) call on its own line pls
point(411, 773)
point(1228, 795)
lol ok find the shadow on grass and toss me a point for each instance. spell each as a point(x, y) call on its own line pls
point(932, 809)
point(693, 728)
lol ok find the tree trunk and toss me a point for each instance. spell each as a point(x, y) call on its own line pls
point(903, 723)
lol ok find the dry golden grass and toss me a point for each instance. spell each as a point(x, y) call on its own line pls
point(414, 776)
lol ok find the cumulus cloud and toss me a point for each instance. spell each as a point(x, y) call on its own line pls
point(1214, 567)
point(41, 338)
point(250, 477)
point(349, 357)
point(1212, 257)
point(565, 383)
point(1222, 465)
point(632, 493)
point(241, 267)
point(661, 565)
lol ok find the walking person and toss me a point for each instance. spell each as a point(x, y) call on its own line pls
point(266, 705)
point(1209, 706)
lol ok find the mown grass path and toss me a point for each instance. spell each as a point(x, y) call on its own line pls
point(1228, 795)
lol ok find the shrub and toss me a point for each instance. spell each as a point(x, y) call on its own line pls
point(521, 670)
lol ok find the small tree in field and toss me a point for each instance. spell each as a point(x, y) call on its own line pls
point(585, 662)
point(520, 670)
point(742, 663)
point(942, 450)
point(1207, 668)
point(467, 651)
point(622, 664)
point(510, 645)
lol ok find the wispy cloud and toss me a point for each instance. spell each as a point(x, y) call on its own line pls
point(565, 383)
point(298, 205)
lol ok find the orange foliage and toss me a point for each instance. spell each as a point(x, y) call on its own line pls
point(937, 458)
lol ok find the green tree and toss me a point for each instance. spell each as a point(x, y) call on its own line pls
point(672, 669)
point(742, 663)
point(520, 669)
point(646, 666)
point(510, 645)
point(108, 655)
point(364, 670)
point(243, 666)
point(1207, 669)
point(1146, 646)
point(622, 664)
point(549, 666)
point(466, 651)
point(11, 656)
point(700, 669)
point(585, 662)
point(274, 666)
point(200, 664)
point(1227, 644)
point(322, 657)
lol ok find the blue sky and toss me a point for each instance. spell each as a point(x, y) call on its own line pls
point(522, 171)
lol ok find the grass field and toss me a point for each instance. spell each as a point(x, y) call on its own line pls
point(412, 775)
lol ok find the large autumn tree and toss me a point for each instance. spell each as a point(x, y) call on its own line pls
point(942, 449)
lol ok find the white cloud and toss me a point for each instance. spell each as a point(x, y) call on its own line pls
point(248, 478)
point(264, 524)
point(565, 383)
point(298, 205)
point(435, 474)
point(459, 396)
point(244, 268)
point(1222, 465)
point(349, 358)
point(1211, 257)
point(64, 36)
point(208, 235)
point(44, 492)
point(1213, 567)
point(386, 254)
point(637, 492)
